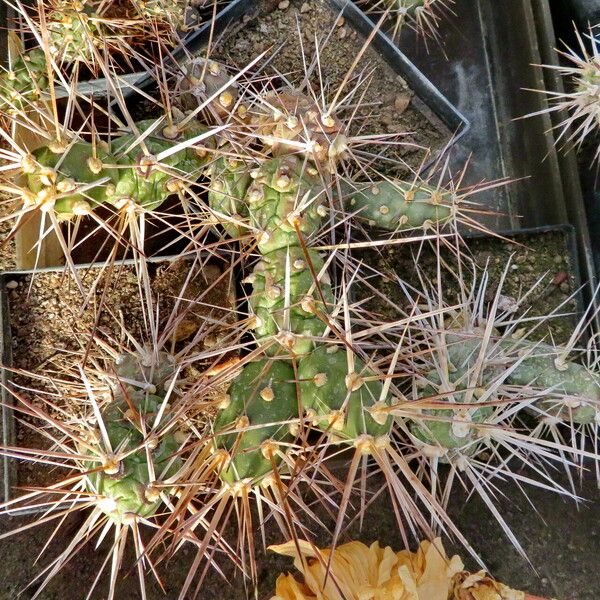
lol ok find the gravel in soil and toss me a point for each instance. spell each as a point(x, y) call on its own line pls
point(539, 261)
point(50, 330)
point(389, 108)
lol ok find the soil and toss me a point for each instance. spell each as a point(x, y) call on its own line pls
point(538, 261)
point(50, 332)
point(390, 106)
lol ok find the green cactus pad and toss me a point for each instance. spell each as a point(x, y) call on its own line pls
point(323, 376)
point(264, 393)
point(400, 205)
point(284, 194)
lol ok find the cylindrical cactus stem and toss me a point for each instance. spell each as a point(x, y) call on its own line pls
point(347, 403)
point(568, 390)
point(24, 83)
point(128, 487)
point(284, 199)
point(147, 182)
point(398, 205)
point(204, 79)
point(260, 404)
point(229, 181)
point(286, 298)
point(460, 389)
point(76, 179)
point(71, 182)
point(172, 12)
point(573, 390)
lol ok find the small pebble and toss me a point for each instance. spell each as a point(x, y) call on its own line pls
point(342, 33)
point(12, 284)
point(401, 102)
point(305, 7)
point(283, 4)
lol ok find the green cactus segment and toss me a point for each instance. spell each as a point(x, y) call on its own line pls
point(74, 33)
point(573, 390)
point(229, 181)
point(409, 6)
point(324, 392)
point(262, 399)
point(169, 11)
point(456, 428)
point(285, 297)
point(145, 370)
point(25, 83)
point(400, 205)
point(81, 178)
point(71, 178)
point(283, 196)
point(147, 182)
point(130, 489)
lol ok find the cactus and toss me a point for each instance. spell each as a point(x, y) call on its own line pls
point(77, 179)
point(347, 403)
point(127, 487)
point(286, 299)
point(574, 390)
point(460, 387)
point(422, 16)
point(288, 122)
point(260, 402)
point(580, 68)
point(25, 83)
point(398, 205)
point(172, 12)
point(75, 30)
point(282, 201)
point(229, 180)
point(200, 80)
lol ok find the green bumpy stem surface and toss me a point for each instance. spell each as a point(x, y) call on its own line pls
point(25, 83)
point(83, 177)
point(229, 181)
point(400, 205)
point(339, 400)
point(262, 400)
point(131, 491)
point(131, 488)
point(573, 390)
